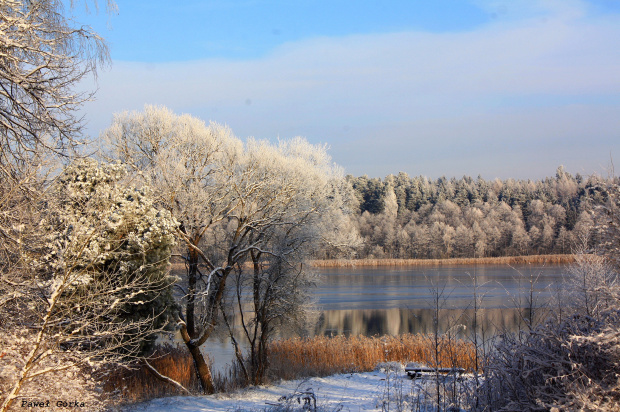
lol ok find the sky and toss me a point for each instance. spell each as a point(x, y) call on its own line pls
point(495, 88)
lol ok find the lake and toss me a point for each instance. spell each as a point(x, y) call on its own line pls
point(396, 300)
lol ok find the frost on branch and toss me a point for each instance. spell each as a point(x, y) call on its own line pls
point(61, 379)
point(100, 231)
point(237, 203)
point(570, 365)
point(100, 286)
point(43, 58)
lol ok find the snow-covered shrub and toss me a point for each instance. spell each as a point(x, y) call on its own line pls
point(385, 367)
point(572, 365)
point(301, 400)
point(105, 232)
point(92, 288)
point(64, 381)
point(572, 362)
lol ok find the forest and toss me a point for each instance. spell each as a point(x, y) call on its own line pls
point(420, 218)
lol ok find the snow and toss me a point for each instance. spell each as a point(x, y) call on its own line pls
point(353, 392)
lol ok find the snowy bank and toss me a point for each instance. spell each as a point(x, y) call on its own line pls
point(358, 391)
point(369, 391)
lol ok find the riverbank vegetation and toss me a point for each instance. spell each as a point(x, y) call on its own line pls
point(502, 260)
point(321, 355)
point(294, 358)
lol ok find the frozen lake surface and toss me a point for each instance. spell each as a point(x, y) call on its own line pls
point(412, 288)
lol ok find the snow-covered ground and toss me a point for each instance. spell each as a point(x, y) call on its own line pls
point(355, 392)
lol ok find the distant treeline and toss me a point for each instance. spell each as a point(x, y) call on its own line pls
point(416, 217)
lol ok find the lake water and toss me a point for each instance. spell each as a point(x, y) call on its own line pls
point(371, 301)
point(396, 300)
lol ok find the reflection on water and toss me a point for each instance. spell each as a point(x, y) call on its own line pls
point(395, 321)
point(379, 301)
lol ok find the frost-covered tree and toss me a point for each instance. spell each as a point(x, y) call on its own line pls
point(270, 284)
point(103, 226)
point(191, 166)
point(44, 57)
point(229, 198)
point(513, 216)
point(97, 287)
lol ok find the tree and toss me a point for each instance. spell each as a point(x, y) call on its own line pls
point(464, 243)
point(191, 166)
point(108, 228)
point(98, 287)
point(229, 198)
point(271, 297)
point(44, 56)
point(273, 293)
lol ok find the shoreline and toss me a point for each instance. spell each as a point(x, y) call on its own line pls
point(504, 260)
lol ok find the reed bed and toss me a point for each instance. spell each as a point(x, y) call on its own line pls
point(321, 356)
point(503, 260)
point(138, 384)
point(558, 259)
point(290, 359)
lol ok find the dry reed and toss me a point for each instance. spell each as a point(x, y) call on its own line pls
point(321, 356)
point(503, 260)
point(290, 359)
point(138, 384)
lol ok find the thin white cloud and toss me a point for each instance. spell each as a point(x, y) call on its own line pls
point(378, 98)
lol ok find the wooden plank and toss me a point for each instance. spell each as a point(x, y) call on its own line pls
point(420, 372)
point(432, 370)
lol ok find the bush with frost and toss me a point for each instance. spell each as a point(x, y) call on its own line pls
point(98, 286)
point(104, 230)
point(571, 362)
point(568, 365)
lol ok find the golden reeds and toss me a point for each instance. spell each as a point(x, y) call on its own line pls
point(504, 260)
point(139, 384)
point(321, 356)
point(557, 259)
point(293, 359)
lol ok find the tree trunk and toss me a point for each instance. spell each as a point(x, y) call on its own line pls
point(256, 280)
point(262, 353)
point(192, 277)
point(202, 369)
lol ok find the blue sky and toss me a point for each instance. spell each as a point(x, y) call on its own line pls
point(446, 87)
point(241, 29)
